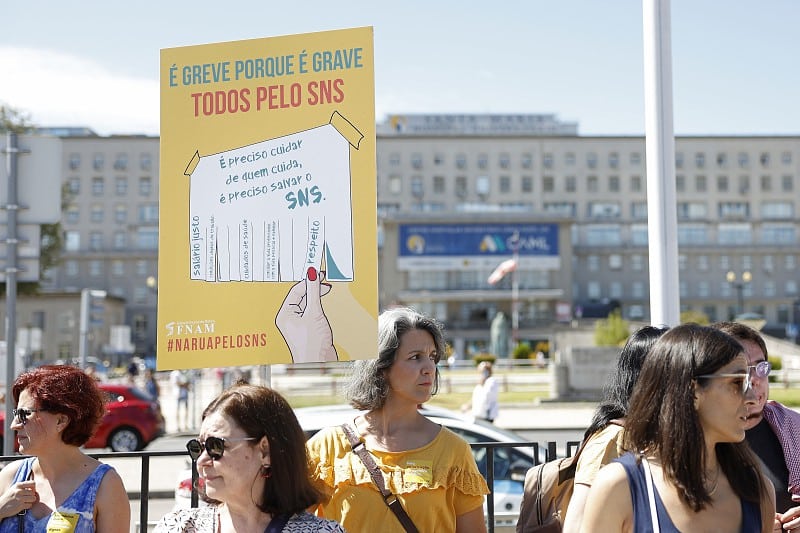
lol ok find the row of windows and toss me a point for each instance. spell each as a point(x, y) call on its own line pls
point(120, 161)
point(147, 213)
point(119, 268)
point(504, 160)
point(504, 183)
point(688, 234)
point(637, 290)
point(145, 238)
point(698, 263)
point(98, 186)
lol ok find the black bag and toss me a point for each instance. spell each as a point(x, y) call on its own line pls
point(548, 488)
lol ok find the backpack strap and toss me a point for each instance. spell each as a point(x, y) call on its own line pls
point(391, 501)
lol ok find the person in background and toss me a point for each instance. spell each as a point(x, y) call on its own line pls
point(91, 371)
point(772, 429)
point(251, 454)
point(484, 404)
point(59, 488)
point(603, 438)
point(180, 381)
point(428, 468)
point(151, 385)
point(689, 465)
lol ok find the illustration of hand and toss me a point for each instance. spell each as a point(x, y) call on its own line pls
point(302, 321)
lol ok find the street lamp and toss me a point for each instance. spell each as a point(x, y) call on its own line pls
point(83, 340)
point(747, 277)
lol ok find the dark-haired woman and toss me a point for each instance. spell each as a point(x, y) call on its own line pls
point(689, 469)
point(59, 488)
point(252, 457)
point(428, 468)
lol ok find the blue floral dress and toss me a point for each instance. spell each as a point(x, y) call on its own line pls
point(75, 515)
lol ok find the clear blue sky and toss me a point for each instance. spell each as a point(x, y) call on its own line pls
point(736, 63)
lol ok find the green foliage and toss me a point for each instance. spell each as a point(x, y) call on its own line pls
point(542, 346)
point(777, 364)
point(481, 357)
point(14, 120)
point(612, 331)
point(696, 317)
point(522, 350)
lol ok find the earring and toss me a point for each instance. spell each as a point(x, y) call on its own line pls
point(265, 471)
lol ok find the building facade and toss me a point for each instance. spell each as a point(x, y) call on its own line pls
point(737, 205)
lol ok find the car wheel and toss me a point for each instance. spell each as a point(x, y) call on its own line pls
point(125, 439)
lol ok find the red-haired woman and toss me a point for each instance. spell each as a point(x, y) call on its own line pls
point(59, 488)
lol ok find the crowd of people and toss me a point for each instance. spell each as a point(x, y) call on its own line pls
point(684, 439)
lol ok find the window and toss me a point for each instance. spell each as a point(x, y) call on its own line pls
point(636, 158)
point(145, 186)
point(483, 161)
point(735, 234)
point(570, 184)
point(704, 289)
point(744, 184)
point(786, 158)
point(439, 185)
point(147, 238)
point(74, 185)
point(148, 213)
point(527, 183)
point(548, 184)
point(639, 236)
point(613, 160)
point(547, 160)
point(769, 288)
point(526, 160)
point(790, 262)
point(722, 160)
point(98, 186)
point(637, 262)
point(766, 183)
point(764, 159)
point(743, 159)
point(692, 234)
point(615, 262)
point(678, 159)
point(593, 290)
point(121, 162)
point(96, 213)
point(680, 183)
point(700, 184)
point(395, 184)
point(692, 210)
point(95, 268)
point(73, 214)
point(505, 184)
point(613, 183)
point(505, 160)
point(121, 185)
point(121, 213)
point(768, 263)
point(778, 234)
point(702, 263)
point(71, 268)
point(722, 183)
point(700, 160)
point(417, 187)
point(603, 235)
point(416, 161)
point(438, 159)
point(566, 209)
point(639, 210)
point(99, 161)
point(461, 186)
point(591, 160)
point(615, 289)
point(140, 295)
point(593, 263)
point(777, 210)
point(96, 240)
point(734, 209)
point(120, 240)
point(787, 183)
point(569, 159)
point(603, 210)
point(482, 185)
point(791, 287)
point(72, 241)
point(637, 290)
point(592, 184)
point(636, 184)
point(74, 161)
point(394, 159)
point(724, 263)
point(145, 162)
point(461, 161)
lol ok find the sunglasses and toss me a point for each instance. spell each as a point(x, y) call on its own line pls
point(746, 379)
point(214, 446)
point(23, 414)
point(761, 369)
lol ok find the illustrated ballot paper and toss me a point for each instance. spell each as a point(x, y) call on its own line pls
point(268, 212)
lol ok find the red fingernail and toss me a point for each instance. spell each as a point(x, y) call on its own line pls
point(312, 274)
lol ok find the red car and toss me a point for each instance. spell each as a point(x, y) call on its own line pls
point(132, 420)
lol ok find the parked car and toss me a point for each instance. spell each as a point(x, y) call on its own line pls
point(510, 464)
point(132, 420)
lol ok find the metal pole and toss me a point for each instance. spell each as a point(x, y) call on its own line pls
point(662, 223)
point(83, 328)
point(12, 152)
point(515, 294)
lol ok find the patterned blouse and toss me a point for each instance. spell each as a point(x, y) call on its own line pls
point(206, 520)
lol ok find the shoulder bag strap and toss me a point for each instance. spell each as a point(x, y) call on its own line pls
point(389, 499)
point(651, 497)
point(277, 523)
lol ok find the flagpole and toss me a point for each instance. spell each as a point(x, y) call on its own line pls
point(515, 294)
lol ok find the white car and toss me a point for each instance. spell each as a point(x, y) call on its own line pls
point(510, 463)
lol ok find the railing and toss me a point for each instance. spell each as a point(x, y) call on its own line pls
point(543, 452)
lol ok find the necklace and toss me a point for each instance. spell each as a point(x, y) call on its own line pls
point(713, 488)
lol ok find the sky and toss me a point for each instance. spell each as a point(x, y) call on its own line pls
point(735, 63)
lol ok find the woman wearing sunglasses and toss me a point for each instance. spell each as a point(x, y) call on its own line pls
point(251, 453)
point(427, 474)
point(59, 488)
point(688, 469)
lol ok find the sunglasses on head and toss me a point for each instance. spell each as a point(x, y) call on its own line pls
point(214, 446)
point(761, 369)
point(23, 414)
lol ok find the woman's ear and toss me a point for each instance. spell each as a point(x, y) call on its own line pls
point(264, 447)
point(697, 394)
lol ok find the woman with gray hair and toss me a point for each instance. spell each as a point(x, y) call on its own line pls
point(425, 468)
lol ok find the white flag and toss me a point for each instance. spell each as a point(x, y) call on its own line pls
point(507, 266)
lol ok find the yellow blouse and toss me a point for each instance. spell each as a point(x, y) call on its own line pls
point(435, 483)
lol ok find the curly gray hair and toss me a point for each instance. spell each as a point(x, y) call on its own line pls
point(368, 387)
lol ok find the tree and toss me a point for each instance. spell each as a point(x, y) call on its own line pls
point(16, 121)
point(611, 331)
point(696, 317)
